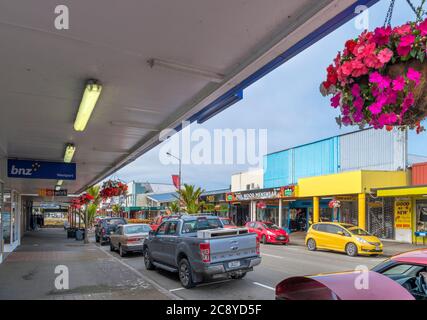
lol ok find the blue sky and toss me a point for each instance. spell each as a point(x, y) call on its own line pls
point(286, 102)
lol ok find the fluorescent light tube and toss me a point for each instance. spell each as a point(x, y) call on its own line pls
point(69, 153)
point(90, 97)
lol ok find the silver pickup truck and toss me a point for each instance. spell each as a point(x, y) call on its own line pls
point(198, 247)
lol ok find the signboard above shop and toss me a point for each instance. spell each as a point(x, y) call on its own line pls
point(53, 193)
point(262, 194)
point(30, 169)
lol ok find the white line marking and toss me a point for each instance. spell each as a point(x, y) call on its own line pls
point(177, 289)
point(271, 255)
point(155, 284)
point(264, 286)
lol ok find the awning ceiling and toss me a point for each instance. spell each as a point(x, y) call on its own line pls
point(43, 70)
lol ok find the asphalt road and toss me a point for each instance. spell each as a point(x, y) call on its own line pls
point(278, 263)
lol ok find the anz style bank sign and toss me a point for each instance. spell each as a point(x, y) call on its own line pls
point(30, 169)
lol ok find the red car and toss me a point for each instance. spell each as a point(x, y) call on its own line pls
point(402, 277)
point(268, 232)
point(227, 223)
point(159, 219)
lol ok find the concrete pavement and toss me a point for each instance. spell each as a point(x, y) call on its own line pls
point(29, 272)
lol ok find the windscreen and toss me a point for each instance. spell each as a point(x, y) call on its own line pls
point(200, 224)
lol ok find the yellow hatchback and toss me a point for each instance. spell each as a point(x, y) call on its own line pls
point(342, 237)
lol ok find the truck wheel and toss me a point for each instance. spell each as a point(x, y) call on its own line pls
point(185, 274)
point(264, 239)
point(147, 260)
point(238, 276)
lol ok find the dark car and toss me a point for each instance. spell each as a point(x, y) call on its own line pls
point(105, 227)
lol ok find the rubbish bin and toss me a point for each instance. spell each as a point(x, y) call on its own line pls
point(80, 234)
point(71, 233)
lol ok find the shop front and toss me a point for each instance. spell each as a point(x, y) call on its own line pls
point(214, 202)
point(10, 220)
point(409, 212)
point(262, 205)
point(351, 199)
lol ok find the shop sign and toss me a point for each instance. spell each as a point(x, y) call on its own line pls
point(375, 204)
point(53, 193)
point(213, 197)
point(29, 169)
point(346, 198)
point(287, 192)
point(273, 193)
point(403, 214)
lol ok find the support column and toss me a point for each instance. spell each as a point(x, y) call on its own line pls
point(253, 210)
point(280, 213)
point(362, 210)
point(316, 209)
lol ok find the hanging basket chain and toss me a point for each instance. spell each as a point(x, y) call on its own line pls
point(419, 12)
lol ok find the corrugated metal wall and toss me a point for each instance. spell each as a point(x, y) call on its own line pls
point(362, 150)
point(419, 174)
point(373, 150)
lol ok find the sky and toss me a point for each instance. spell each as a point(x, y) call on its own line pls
point(286, 103)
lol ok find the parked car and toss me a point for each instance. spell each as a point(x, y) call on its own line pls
point(199, 248)
point(227, 223)
point(159, 219)
point(342, 237)
point(129, 238)
point(105, 227)
point(402, 277)
point(268, 232)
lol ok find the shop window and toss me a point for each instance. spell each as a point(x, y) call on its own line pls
point(421, 218)
point(381, 217)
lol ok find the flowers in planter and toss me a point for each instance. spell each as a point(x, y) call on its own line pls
point(112, 188)
point(379, 79)
point(333, 204)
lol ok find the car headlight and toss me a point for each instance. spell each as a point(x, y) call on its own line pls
point(361, 240)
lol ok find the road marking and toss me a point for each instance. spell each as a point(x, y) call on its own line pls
point(264, 286)
point(177, 289)
point(155, 284)
point(271, 255)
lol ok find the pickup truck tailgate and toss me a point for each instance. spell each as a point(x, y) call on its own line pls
point(233, 248)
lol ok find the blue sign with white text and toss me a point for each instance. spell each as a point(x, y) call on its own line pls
point(29, 169)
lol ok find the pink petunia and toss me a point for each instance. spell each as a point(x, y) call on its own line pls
point(359, 69)
point(399, 83)
point(385, 55)
point(372, 61)
point(405, 45)
point(423, 27)
point(375, 77)
point(347, 68)
point(335, 100)
point(414, 75)
point(375, 108)
point(408, 102)
point(358, 116)
point(355, 90)
point(403, 30)
point(358, 103)
point(382, 35)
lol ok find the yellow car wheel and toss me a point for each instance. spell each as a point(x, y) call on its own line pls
point(351, 249)
point(311, 245)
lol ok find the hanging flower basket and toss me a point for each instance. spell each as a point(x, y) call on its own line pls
point(112, 188)
point(333, 204)
point(380, 78)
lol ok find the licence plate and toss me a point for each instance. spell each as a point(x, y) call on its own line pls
point(377, 248)
point(281, 238)
point(234, 264)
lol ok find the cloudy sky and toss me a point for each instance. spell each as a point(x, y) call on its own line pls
point(286, 103)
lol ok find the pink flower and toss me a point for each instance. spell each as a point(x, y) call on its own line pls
point(423, 27)
point(372, 61)
point(346, 110)
point(355, 90)
point(385, 55)
point(382, 36)
point(405, 45)
point(408, 102)
point(414, 75)
point(347, 68)
point(346, 120)
point(335, 100)
point(358, 103)
point(358, 116)
point(399, 83)
point(359, 69)
point(403, 30)
point(382, 81)
point(375, 108)
point(387, 119)
point(391, 96)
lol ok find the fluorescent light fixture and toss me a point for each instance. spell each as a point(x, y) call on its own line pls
point(69, 152)
point(60, 182)
point(198, 71)
point(90, 97)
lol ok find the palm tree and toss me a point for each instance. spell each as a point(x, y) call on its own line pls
point(116, 208)
point(90, 210)
point(174, 207)
point(190, 198)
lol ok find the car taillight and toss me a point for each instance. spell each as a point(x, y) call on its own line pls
point(133, 239)
point(205, 252)
point(257, 246)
